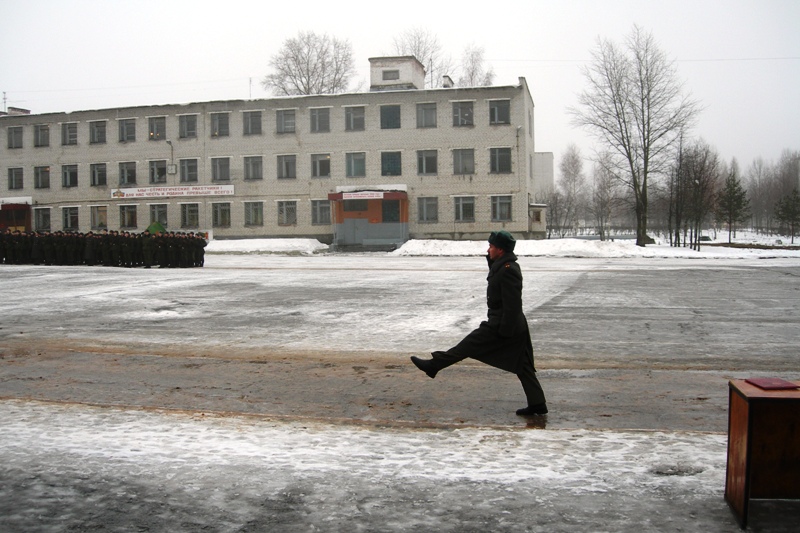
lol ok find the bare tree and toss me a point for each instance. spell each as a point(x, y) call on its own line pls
point(604, 200)
point(311, 64)
point(702, 170)
point(474, 72)
point(572, 185)
point(635, 107)
point(425, 46)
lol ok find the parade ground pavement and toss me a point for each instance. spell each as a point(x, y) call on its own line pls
point(275, 393)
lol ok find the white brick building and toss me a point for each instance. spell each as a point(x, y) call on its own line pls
point(374, 168)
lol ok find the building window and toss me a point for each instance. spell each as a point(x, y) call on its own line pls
point(158, 213)
point(41, 135)
point(220, 125)
point(98, 174)
point(158, 128)
point(253, 168)
point(320, 212)
point(98, 216)
point(427, 162)
point(127, 216)
point(221, 215)
point(287, 167)
point(15, 136)
point(187, 126)
point(285, 120)
point(426, 115)
point(97, 132)
point(127, 130)
point(391, 164)
point(355, 205)
point(464, 161)
point(41, 218)
point(499, 112)
point(188, 170)
point(41, 177)
point(287, 213)
point(428, 209)
point(462, 114)
point(69, 176)
point(356, 164)
point(353, 119)
point(69, 133)
point(501, 208)
point(390, 117)
point(14, 178)
point(220, 169)
point(190, 215)
point(252, 122)
point(69, 218)
point(500, 160)
point(391, 75)
point(320, 165)
point(320, 120)
point(254, 213)
point(158, 171)
point(464, 208)
point(127, 173)
point(390, 211)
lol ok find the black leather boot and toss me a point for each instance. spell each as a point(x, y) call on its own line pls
point(426, 365)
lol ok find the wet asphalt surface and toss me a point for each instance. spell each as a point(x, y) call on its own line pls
point(621, 346)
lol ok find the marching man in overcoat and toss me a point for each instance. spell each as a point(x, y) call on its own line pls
point(503, 340)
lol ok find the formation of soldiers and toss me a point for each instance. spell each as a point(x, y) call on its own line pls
point(105, 248)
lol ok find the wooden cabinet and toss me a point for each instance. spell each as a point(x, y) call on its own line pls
point(763, 446)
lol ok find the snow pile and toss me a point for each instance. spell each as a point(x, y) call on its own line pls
point(619, 249)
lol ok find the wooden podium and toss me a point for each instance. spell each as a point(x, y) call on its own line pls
point(763, 446)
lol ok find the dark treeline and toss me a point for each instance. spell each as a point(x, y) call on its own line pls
point(105, 248)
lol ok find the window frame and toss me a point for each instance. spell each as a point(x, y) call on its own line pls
point(426, 204)
point(220, 124)
point(187, 126)
point(423, 162)
point(157, 171)
point(355, 162)
point(253, 214)
point(157, 128)
point(253, 167)
point(69, 134)
point(41, 135)
point(127, 130)
point(283, 124)
point(320, 166)
point(127, 173)
point(189, 167)
point(129, 216)
point(462, 165)
point(159, 213)
point(97, 178)
point(98, 217)
point(392, 163)
point(221, 214)
point(287, 212)
point(15, 137)
point(426, 115)
point(500, 204)
point(355, 116)
point(321, 212)
point(69, 176)
point(70, 218)
point(391, 116)
point(463, 114)
point(499, 112)
point(251, 123)
point(220, 169)
point(287, 166)
point(98, 133)
point(190, 215)
point(461, 204)
point(500, 160)
point(320, 119)
point(41, 177)
point(16, 179)
point(42, 218)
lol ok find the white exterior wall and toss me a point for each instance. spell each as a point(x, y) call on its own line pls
point(482, 136)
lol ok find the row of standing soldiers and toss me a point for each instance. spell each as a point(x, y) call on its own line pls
point(106, 248)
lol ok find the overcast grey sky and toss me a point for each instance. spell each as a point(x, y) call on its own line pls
point(740, 58)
